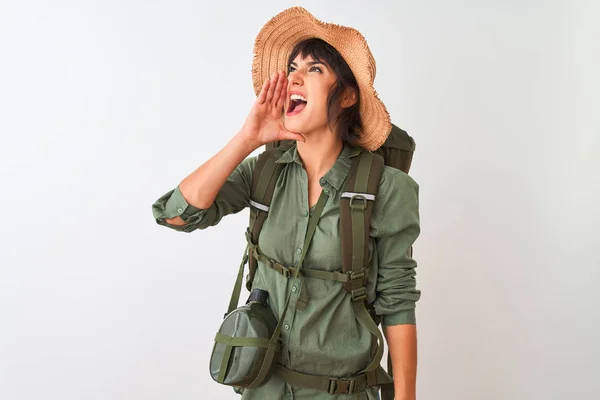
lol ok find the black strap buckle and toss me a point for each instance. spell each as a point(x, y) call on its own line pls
point(359, 294)
point(341, 386)
point(356, 280)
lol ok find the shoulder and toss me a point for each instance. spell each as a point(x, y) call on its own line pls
point(396, 204)
point(395, 183)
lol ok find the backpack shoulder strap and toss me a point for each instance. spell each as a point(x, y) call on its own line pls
point(356, 207)
point(266, 173)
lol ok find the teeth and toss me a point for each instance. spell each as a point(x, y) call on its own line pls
point(297, 97)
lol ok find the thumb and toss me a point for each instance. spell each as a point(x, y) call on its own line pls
point(287, 135)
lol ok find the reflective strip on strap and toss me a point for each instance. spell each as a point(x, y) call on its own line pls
point(349, 195)
point(259, 206)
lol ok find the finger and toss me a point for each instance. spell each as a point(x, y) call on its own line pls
point(287, 135)
point(277, 91)
point(262, 96)
point(283, 94)
point(271, 88)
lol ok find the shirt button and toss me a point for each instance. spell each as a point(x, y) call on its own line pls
point(294, 288)
point(322, 180)
point(180, 210)
point(326, 191)
point(286, 327)
point(299, 251)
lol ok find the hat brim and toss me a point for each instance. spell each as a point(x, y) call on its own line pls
point(276, 40)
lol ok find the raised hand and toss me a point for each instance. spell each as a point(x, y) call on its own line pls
point(264, 124)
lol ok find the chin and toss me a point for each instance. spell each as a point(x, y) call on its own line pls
point(303, 125)
point(295, 125)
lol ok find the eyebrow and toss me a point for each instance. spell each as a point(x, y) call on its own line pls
point(310, 63)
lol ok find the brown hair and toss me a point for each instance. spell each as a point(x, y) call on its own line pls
point(347, 119)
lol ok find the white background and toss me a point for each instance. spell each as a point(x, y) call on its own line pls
point(106, 105)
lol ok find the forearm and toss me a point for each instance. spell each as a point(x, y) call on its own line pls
point(201, 187)
point(402, 344)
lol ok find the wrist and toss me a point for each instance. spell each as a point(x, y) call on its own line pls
point(244, 141)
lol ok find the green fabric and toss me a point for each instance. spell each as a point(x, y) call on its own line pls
point(224, 364)
point(241, 341)
point(325, 338)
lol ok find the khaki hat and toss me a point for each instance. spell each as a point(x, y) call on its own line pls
point(276, 40)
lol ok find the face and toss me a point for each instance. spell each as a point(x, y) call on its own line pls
point(309, 84)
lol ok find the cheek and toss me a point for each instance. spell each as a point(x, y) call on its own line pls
point(321, 103)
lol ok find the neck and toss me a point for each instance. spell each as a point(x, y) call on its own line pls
point(319, 153)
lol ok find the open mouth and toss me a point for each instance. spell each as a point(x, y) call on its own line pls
point(296, 105)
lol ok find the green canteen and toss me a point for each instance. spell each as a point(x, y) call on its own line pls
point(240, 355)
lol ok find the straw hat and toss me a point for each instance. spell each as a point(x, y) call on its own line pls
point(278, 37)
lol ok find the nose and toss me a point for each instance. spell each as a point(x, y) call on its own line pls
point(295, 78)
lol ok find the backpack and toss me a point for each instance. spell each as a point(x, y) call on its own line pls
point(356, 206)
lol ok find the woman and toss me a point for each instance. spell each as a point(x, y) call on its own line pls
point(327, 105)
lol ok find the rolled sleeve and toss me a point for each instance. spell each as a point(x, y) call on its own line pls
point(233, 197)
point(173, 204)
point(396, 227)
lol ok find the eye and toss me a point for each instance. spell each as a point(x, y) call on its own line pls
point(316, 69)
point(291, 69)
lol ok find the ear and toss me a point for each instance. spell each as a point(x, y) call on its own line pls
point(349, 98)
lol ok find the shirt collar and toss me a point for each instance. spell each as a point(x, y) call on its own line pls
point(338, 172)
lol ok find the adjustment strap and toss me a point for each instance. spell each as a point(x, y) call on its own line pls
point(358, 205)
point(337, 276)
point(270, 263)
point(387, 390)
point(331, 384)
point(364, 318)
point(235, 295)
point(272, 348)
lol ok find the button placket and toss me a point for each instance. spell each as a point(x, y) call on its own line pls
point(288, 323)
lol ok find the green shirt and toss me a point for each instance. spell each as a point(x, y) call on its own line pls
point(325, 338)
